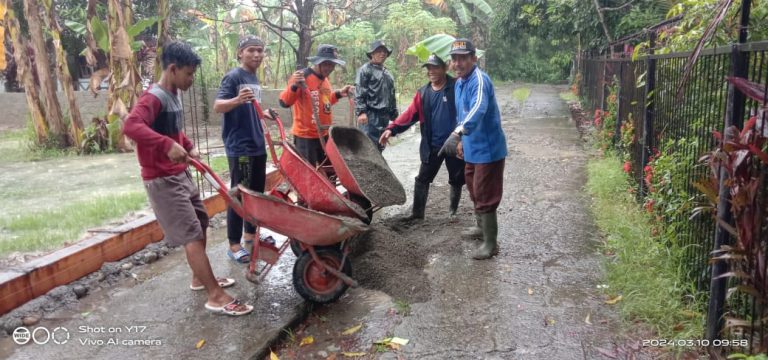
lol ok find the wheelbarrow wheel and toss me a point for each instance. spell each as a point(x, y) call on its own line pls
point(313, 282)
point(365, 204)
point(296, 247)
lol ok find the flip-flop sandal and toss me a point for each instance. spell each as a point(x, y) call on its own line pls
point(268, 238)
point(241, 256)
point(234, 308)
point(223, 283)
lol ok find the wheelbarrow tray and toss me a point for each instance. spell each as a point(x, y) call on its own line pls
point(314, 188)
point(361, 168)
point(306, 225)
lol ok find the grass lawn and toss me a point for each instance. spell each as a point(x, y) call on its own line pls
point(51, 197)
point(639, 268)
point(46, 229)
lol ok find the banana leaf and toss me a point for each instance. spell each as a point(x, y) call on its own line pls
point(439, 44)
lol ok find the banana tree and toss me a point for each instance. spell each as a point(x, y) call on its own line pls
point(3, 62)
point(439, 44)
point(47, 85)
point(162, 35)
point(114, 39)
point(62, 72)
point(474, 14)
point(25, 70)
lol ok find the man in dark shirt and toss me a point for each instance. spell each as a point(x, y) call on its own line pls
point(155, 124)
point(243, 136)
point(375, 93)
point(434, 108)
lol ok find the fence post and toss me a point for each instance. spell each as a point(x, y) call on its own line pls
point(620, 91)
point(734, 116)
point(650, 86)
point(604, 84)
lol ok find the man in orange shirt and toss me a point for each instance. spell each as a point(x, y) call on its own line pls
point(307, 90)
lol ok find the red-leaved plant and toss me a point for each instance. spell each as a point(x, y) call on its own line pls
point(741, 153)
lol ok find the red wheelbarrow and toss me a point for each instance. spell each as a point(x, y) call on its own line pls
point(322, 269)
point(316, 215)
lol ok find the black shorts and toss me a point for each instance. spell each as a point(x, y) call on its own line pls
point(310, 149)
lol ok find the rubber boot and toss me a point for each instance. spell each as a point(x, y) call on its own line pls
point(455, 198)
point(474, 231)
point(420, 194)
point(490, 247)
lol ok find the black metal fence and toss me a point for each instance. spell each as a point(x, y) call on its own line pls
point(681, 121)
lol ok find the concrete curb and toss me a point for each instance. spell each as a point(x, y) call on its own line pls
point(35, 278)
point(301, 314)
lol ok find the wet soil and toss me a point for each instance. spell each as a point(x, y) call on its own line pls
point(393, 256)
point(375, 178)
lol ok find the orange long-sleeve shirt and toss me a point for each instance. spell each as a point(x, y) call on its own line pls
point(318, 91)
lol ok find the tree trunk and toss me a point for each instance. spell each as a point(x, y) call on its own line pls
point(478, 38)
point(162, 38)
point(124, 86)
point(91, 48)
point(47, 86)
point(602, 22)
point(24, 65)
point(3, 59)
point(279, 53)
point(305, 11)
point(215, 38)
point(62, 71)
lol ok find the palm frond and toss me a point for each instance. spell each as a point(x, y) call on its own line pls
point(720, 12)
point(483, 6)
point(462, 13)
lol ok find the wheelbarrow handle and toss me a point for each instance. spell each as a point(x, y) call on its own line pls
point(268, 136)
point(275, 118)
point(218, 184)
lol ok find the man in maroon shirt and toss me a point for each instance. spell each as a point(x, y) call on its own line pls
point(155, 124)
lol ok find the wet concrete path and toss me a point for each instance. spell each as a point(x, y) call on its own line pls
point(537, 300)
point(533, 300)
point(153, 314)
point(530, 302)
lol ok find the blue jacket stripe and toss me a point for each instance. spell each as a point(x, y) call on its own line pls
point(479, 99)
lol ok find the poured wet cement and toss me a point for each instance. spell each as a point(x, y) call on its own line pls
point(368, 167)
point(538, 299)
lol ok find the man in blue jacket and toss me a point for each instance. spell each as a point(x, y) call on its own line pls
point(480, 141)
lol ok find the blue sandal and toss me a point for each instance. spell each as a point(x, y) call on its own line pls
point(241, 256)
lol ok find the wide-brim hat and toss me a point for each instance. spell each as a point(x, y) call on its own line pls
point(325, 53)
point(377, 44)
